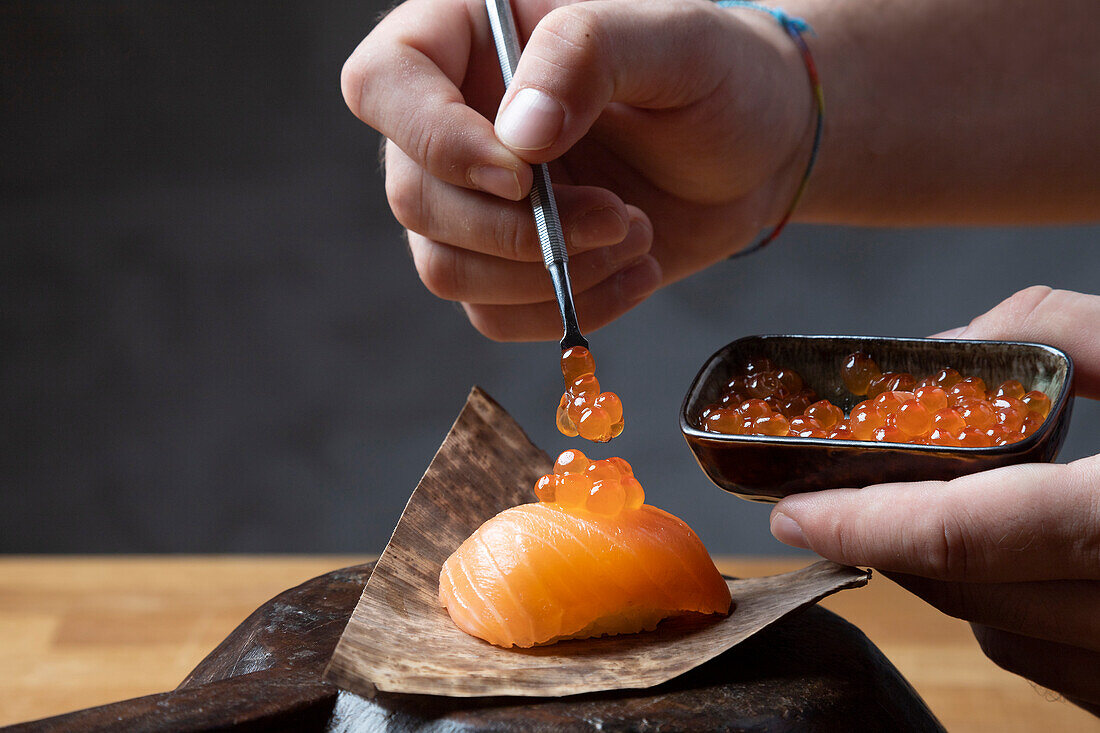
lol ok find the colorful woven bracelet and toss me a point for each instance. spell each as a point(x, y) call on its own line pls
point(794, 28)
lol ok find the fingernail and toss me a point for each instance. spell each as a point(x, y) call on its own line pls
point(787, 531)
point(497, 181)
point(599, 226)
point(531, 121)
point(639, 280)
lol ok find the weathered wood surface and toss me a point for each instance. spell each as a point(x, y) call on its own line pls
point(399, 639)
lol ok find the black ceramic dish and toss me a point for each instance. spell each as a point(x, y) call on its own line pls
point(762, 468)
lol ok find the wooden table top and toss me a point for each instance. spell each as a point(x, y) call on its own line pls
point(82, 631)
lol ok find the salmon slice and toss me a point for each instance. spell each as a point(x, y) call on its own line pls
point(539, 573)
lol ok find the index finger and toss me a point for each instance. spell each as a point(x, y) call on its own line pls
point(1062, 318)
point(1029, 522)
point(403, 80)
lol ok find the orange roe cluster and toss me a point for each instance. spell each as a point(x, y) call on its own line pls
point(945, 408)
point(766, 400)
point(605, 487)
point(584, 410)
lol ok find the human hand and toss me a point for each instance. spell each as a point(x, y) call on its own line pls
point(677, 131)
point(1016, 550)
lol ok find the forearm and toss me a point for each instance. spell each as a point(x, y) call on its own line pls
point(955, 111)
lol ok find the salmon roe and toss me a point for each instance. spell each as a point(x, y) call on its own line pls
point(606, 487)
point(946, 408)
point(584, 410)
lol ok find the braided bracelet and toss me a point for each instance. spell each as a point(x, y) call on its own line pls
point(794, 28)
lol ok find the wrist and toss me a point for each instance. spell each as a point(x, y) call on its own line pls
point(816, 204)
point(796, 91)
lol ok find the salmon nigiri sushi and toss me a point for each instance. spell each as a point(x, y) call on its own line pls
point(590, 558)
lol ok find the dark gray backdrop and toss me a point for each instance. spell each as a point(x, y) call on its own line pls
point(213, 340)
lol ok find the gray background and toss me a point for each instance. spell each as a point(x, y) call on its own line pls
point(213, 340)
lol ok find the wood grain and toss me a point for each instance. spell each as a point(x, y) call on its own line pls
point(146, 621)
point(813, 671)
point(82, 631)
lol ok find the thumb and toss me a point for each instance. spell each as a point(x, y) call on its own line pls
point(580, 57)
point(1027, 522)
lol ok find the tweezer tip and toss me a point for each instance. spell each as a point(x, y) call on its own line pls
point(569, 340)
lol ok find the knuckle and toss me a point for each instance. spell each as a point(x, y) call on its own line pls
point(509, 235)
point(1014, 312)
point(428, 147)
point(351, 84)
point(1030, 297)
point(1088, 526)
point(405, 197)
point(1029, 302)
point(839, 539)
point(355, 76)
point(949, 556)
point(438, 267)
point(579, 39)
point(487, 322)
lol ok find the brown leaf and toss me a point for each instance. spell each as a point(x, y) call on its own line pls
point(399, 638)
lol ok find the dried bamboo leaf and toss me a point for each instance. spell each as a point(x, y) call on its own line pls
point(399, 639)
